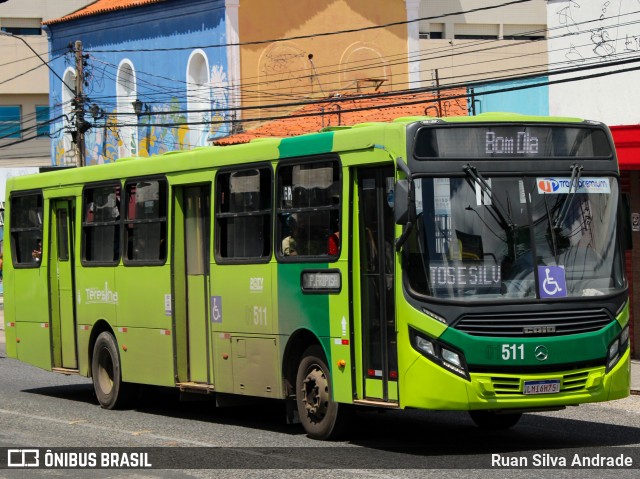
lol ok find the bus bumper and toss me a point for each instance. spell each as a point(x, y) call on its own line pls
point(427, 386)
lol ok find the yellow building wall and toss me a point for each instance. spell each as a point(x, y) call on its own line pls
point(298, 69)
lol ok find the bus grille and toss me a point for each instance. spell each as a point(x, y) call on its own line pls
point(570, 382)
point(553, 323)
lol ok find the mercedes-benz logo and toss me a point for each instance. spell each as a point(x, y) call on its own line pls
point(542, 353)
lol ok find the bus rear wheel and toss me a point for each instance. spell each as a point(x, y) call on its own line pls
point(321, 416)
point(111, 391)
point(494, 421)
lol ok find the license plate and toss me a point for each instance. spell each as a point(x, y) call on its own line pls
point(548, 386)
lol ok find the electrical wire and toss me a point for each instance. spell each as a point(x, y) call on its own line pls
point(321, 34)
point(169, 93)
point(274, 107)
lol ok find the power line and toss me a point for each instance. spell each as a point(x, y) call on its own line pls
point(416, 91)
point(31, 70)
point(466, 52)
point(161, 91)
point(27, 129)
point(426, 90)
point(390, 94)
point(320, 34)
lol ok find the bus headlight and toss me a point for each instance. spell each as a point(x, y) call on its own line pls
point(624, 337)
point(451, 357)
point(442, 354)
point(617, 348)
point(425, 346)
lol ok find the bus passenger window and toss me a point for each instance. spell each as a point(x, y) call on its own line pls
point(145, 222)
point(309, 211)
point(101, 224)
point(243, 215)
point(26, 230)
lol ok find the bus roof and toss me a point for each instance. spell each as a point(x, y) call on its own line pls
point(344, 138)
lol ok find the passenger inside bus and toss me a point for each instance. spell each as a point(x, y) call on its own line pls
point(289, 242)
point(36, 254)
point(333, 243)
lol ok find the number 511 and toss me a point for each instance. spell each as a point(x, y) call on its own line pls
point(512, 352)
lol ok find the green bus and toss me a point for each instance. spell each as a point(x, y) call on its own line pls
point(462, 263)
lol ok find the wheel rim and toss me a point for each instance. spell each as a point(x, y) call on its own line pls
point(315, 392)
point(105, 372)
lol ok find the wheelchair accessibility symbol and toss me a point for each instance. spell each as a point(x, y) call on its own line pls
point(552, 282)
point(216, 309)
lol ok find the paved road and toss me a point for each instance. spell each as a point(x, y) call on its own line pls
point(42, 409)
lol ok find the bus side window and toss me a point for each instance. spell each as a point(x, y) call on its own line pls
point(145, 222)
point(309, 211)
point(101, 224)
point(243, 215)
point(26, 229)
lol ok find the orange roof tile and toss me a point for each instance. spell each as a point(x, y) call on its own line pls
point(337, 114)
point(101, 6)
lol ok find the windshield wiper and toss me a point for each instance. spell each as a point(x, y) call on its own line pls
point(504, 217)
point(554, 241)
point(576, 172)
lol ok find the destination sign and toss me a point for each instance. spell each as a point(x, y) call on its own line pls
point(468, 274)
point(511, 141)
point(522, 142)
point(321, 281)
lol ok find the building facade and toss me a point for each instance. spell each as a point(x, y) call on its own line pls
point(595, 48)
point(488, 47)
point(155, 78)
point(323, 48)
point(204, 69)
point(24, 80)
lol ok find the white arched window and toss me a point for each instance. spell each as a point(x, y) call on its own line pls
point(198, 98)
point(127, 94)
point(68, 87)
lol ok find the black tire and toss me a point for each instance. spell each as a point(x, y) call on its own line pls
point(320, 415)
point(111, 391)
point(493, 421)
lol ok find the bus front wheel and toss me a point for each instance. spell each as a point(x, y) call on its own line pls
point(321, 416)
point(495, 421)
point(110, 390)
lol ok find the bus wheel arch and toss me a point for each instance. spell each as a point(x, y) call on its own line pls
point(99, 327)
point(298, 343)
point(106, 370)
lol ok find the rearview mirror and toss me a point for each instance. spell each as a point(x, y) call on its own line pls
point(401, 206)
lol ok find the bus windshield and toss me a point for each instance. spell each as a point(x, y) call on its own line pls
point(520, 237)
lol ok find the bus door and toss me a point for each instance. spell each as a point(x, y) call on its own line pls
point(61, 280)
point(376, 270)
point(190, 259)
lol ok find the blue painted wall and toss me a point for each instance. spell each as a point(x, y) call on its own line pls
point(528, 101)
point(170, 32)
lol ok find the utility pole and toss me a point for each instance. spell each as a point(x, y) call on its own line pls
point(438, 93)
point(79, 104)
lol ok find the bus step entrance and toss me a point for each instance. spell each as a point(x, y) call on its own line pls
point(66, 371)
point(369, 402)
point(201, 388)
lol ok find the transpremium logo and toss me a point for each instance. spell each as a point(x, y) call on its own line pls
point(548, 185)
